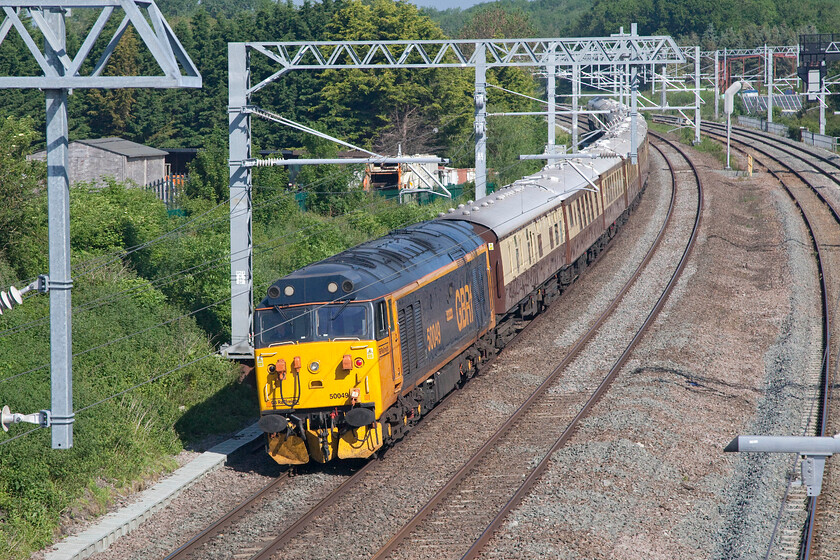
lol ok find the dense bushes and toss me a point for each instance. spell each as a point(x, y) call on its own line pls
point(126, 332)
point(119, 440)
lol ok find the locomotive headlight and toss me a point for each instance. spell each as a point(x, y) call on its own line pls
point(314, 367)
point(355, 392)
point(359, 362)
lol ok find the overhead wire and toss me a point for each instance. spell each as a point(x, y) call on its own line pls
point(139, 247)
point(174, 276)
point(177, 368)
point(171, 277)
point(204, 357)
point(547, 202)
point(160, 376)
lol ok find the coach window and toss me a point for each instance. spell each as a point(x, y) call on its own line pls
point(528, 239)
point(381, 318)
point(516, 247)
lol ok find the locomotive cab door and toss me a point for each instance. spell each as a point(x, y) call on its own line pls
point(396, 348)
point(388, 342)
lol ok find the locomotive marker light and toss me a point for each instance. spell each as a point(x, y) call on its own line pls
point(812, 449)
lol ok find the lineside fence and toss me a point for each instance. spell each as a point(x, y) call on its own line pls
point(819, 140)
point(168, 189)
point(830, 143)
point(762, 124)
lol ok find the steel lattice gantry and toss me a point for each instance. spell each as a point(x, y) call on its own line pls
point(623, 50)
point(60, 72)
point(773, 66)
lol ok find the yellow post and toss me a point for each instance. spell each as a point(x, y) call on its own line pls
point(749, 164)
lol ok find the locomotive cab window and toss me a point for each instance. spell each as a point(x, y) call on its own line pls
point(381, 319)
point(342, 321)
point(283, 325)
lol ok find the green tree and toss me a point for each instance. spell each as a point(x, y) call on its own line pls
point(497, 22)
point(360, 104)
point(109, 111)
point(209, 174)
point(20, 182)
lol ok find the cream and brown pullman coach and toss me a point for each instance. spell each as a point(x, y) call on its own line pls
point(543, 229)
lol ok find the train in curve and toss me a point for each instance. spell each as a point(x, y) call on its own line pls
point(353, 350)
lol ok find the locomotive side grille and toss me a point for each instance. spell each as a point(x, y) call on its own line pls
point(410, 320)
point(418, 335)
point(404, 342)
point(478, 288)
point(412, 339)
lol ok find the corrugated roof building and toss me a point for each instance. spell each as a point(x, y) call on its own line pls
point(93, 159)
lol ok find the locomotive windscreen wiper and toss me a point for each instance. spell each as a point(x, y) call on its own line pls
point(340, 310)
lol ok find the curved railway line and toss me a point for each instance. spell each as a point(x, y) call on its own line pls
point(482, 486)
point(809, 528)
point(474, 500)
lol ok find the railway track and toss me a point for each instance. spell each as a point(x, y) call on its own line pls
point(543, 406)
point(809, 528)
point(196, 546)
point(465, 513)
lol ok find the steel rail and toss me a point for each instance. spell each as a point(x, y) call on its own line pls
point(290, 532)
point(807, 540)
point(237, 513)
point(790, 146)
point(217, 527)
point(490, 444)
point(537, 472)
point(276, 544)
point(810, 525)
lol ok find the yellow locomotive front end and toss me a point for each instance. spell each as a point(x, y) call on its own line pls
point(318, 381)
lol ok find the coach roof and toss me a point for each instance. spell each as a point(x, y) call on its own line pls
point(523, 201)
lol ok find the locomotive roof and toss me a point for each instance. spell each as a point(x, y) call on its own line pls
point(521, 202)
point(377, 267)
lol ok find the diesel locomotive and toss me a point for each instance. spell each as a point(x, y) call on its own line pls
point(353, 350)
